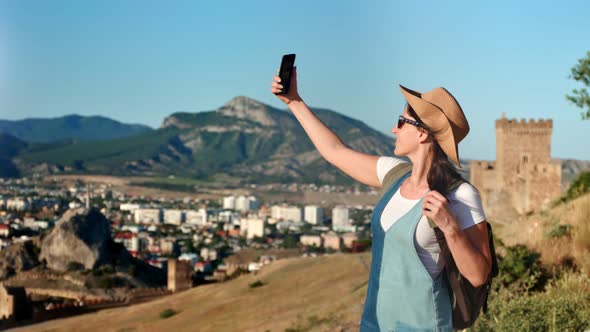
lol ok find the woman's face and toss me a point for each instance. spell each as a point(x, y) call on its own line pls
point(407, 137)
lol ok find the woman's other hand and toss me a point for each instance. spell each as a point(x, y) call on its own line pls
point(276, 87)
point(436, 207)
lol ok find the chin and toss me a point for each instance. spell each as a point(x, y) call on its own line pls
point(399, 153)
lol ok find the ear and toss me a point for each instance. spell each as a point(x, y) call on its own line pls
point(423, 137)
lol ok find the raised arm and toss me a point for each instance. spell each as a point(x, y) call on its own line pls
point(360, 166)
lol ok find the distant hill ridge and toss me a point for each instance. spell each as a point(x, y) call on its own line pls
point(242, 141)
point(39, 130)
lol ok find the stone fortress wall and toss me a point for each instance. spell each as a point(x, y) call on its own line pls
point(523, 179)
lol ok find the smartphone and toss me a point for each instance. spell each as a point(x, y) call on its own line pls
point(285, 72)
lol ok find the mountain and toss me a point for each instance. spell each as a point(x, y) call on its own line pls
point(10, 147)
point(69, 127)
point(242, 141)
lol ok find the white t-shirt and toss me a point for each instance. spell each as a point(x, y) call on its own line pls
point(465, 206)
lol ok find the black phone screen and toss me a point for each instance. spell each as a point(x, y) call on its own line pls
point(285, 72)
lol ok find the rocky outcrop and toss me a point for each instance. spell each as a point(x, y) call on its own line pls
point(246, 108)
point(18, 257)
point(81, 236)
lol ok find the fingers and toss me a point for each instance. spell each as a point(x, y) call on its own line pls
point(276, 87)
point(435, 195)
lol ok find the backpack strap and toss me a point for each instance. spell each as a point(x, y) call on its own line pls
point(394, 174)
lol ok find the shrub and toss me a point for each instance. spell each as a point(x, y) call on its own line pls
point(581, 234)
point(167, 313)
point(257, 283)
point(579, 186)
point(521, 266)
point(559, 231)
point(565, 306)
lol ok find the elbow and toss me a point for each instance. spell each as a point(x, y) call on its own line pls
point(477, 282)
point(481, 278)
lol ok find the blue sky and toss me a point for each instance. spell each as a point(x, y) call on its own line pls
point(139, 61)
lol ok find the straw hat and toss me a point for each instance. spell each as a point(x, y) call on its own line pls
point(440, 111)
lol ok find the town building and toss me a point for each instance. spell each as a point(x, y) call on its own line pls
point(246, 203)
point(348, 239)
point(229, 203)
point(255, 227)
point(340, 219)
point(173, 216)
point(198, 217)
point(148, 216)
point(311, 240)
point(332, 240)
point(287, 213)
point(314, 215)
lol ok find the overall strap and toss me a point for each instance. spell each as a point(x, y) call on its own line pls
point(394, 174)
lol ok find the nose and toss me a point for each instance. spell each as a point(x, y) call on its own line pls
point(395, 129)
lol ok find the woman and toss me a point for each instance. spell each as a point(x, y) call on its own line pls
point(406, 292)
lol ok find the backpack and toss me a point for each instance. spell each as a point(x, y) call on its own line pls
point(467, 301)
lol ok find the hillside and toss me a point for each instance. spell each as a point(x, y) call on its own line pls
point(10, 147)
point(559, 234)
point(69, 127)
point(243, 141)
point(325, 293)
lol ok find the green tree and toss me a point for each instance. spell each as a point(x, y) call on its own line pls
point(581, 98)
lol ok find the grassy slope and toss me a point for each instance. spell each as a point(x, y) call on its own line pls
point(534, 231)
point(332, 288)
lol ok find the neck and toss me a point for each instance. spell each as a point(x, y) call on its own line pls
point(421, 163)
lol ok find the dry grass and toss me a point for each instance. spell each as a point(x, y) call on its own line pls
point(534, 231)
point(319, 294)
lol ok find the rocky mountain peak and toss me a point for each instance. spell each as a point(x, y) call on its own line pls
point(246, 108)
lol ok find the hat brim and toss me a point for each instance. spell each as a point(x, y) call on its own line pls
point(436, 120)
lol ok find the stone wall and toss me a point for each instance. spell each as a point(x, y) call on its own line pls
point(522, 179)
point(179, 275)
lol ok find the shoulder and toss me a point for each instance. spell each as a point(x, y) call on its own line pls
point(465, 192)
point(385, 164)
point(465, 202)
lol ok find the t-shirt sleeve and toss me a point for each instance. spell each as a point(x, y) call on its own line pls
point(465, 203)
point(385, 164)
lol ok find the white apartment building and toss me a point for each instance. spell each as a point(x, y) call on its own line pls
point(314, 215)
point(18, 204)
point(196, 217)
point(130, 207)
point(287, 213)
point(148, 216)
point(173, 216)
point(246, 203)
point(229, 203)
point(340, 219)
point(255, 227)
point(208, 254)
point(129, 240)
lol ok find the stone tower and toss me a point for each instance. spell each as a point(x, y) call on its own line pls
point(523, 176)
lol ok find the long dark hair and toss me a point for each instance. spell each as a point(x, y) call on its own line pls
point(442, 172)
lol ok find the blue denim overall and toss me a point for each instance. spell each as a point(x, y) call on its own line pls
point(401, 294)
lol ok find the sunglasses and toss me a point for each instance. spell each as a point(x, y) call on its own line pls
point(403, 120)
